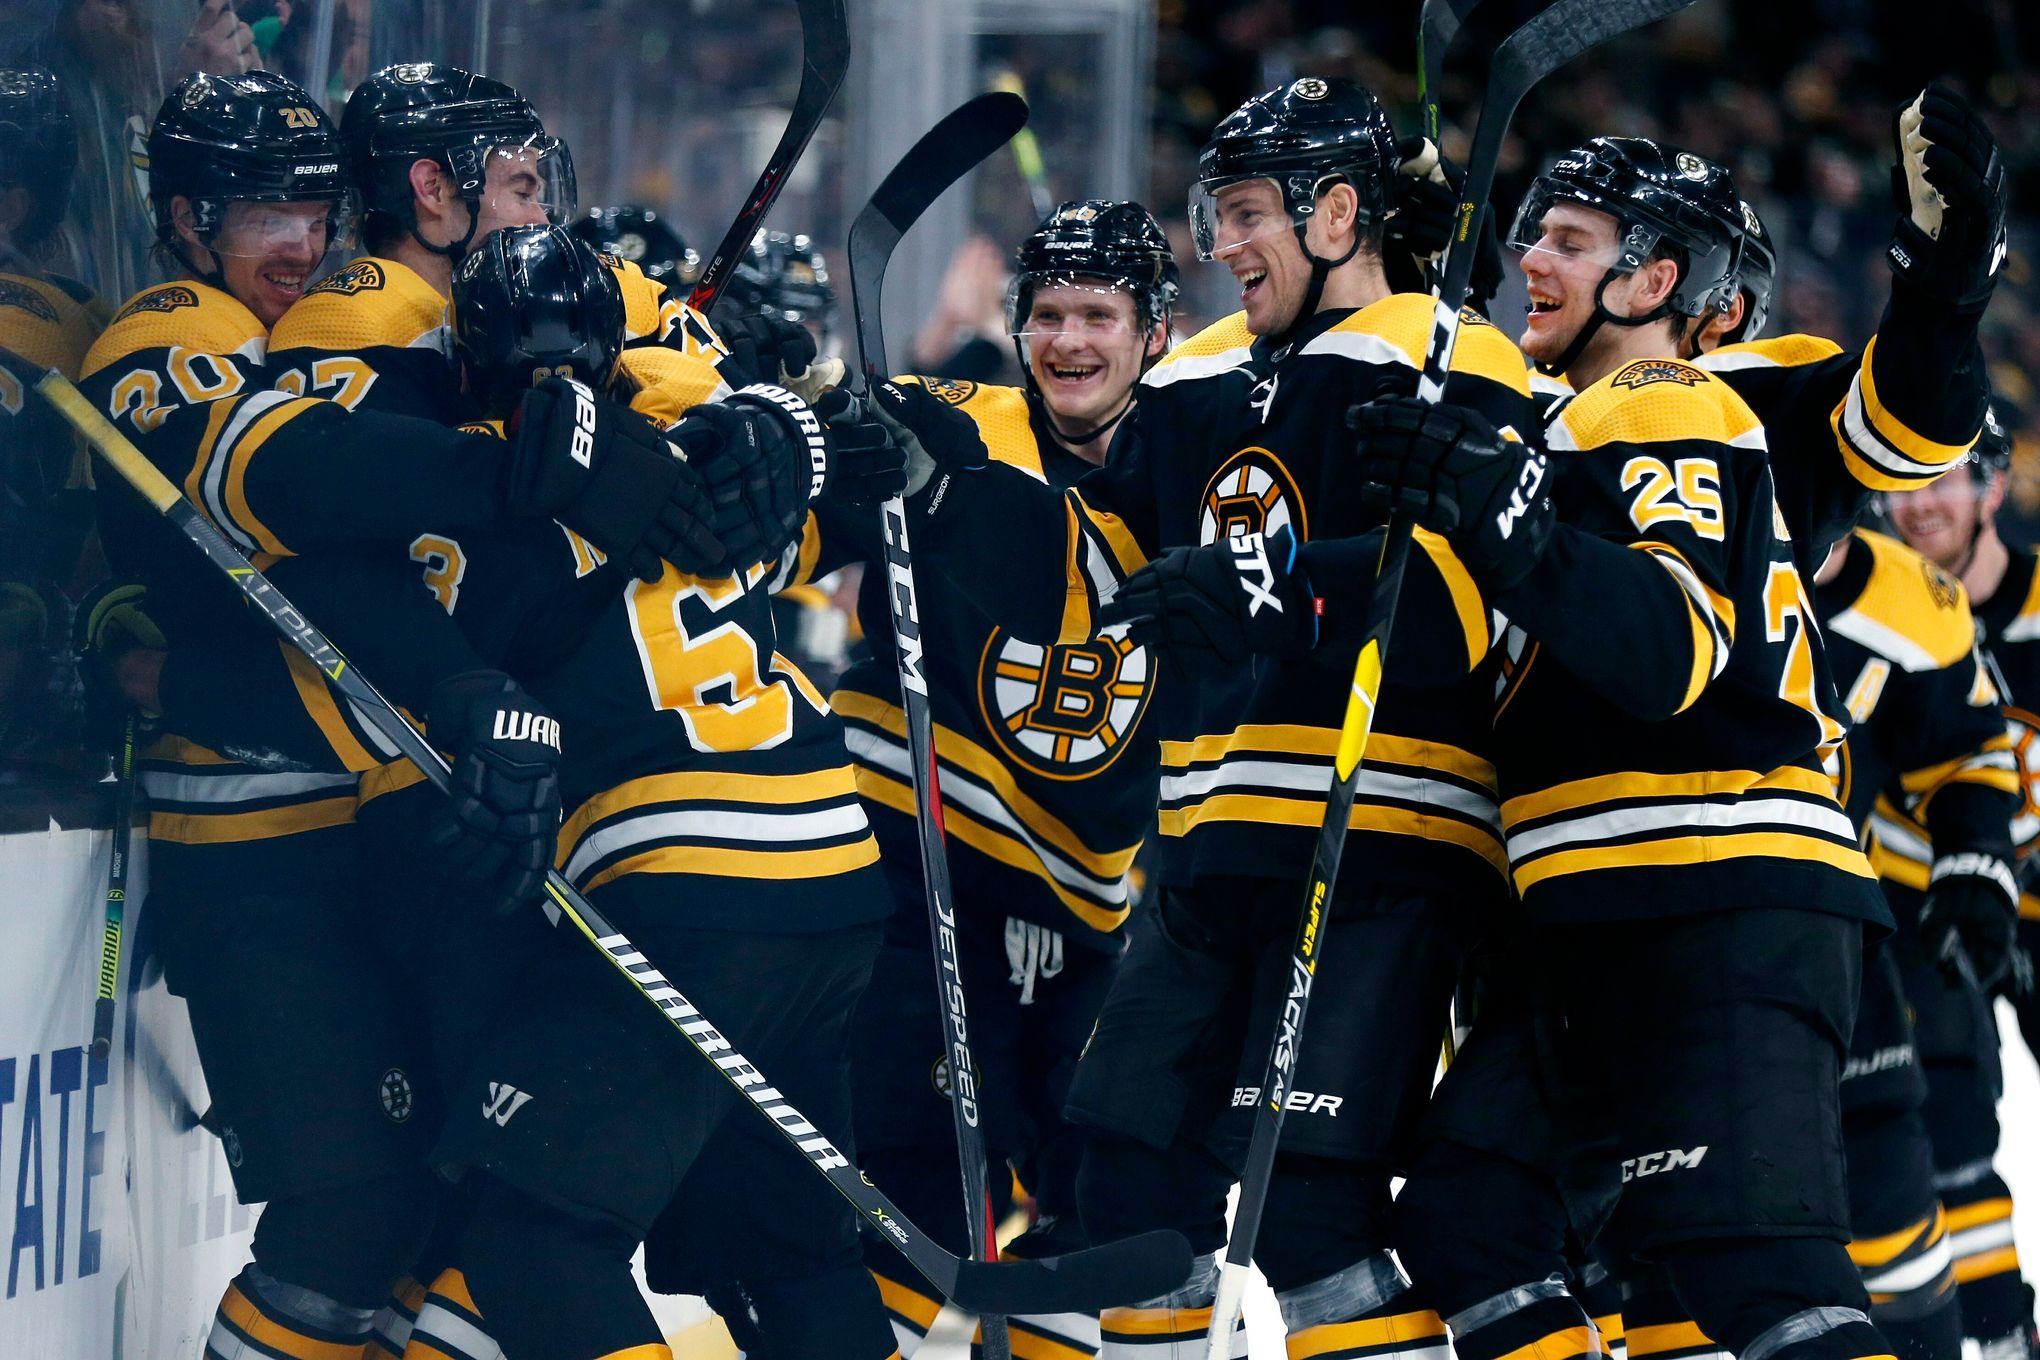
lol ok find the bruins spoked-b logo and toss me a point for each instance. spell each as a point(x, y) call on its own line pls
point(1063, 712)
point(1252, 493)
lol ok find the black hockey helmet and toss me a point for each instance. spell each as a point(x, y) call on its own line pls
point(785, 276)
point(253, 138)
point(1660, 197)
point(1759, 276)
point(1304, 136)
point(643, 237)
point(38, 148)
point(1991, 455)
point(421, 110)
point(531, 303)
point(1118, 242)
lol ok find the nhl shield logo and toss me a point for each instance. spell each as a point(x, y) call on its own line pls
point(1063, 712)
point(398, 1100)
point(1252, 493)
point(230, 1142)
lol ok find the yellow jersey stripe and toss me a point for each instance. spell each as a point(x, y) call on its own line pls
point(726, 862)
point(1607, 788)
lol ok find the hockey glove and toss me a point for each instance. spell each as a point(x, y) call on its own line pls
point(769, 348)
point(764, 457)
point(501, 821)
point(1426, 208)
point(1214, 607)
point(867, 466)
point(935, 436)
point(608, 474)
point(1949, 189)
point(1454, 473)
point(1971, 916)
point(120, 651)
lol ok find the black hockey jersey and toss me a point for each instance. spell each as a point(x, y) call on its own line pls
point(1237, 435)
point(692, 748)
point(2008, 632)
point(1665, 708)
point(1925, 728)
point(1047, 753)
point(1843, 425)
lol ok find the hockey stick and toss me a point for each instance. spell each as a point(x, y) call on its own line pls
point(1077, 1282)
point(116, 894)
point(824, 61)
point(1548, 41)
point(1437, 26)
point(945, 154)
point(1027, 157)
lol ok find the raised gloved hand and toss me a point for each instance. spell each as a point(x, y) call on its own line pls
point(1426, 203)
point(867, 466)
point(1211, 608)
point(935, 436)
point(501, 821)
point(1948, 185)
point(1453, 472)
point(1971, 915)
point(768, 348)
point(764, 456)
point(608, 474)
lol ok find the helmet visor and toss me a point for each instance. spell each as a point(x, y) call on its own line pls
point(1060, 304)
point(1576, 228)
point(530, 181)
point(1230, 213)
point(306, 227)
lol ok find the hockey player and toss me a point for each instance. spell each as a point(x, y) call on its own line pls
point(714, 816)
point(1242, 446)
point(1660, 531)
point(264, 929)
point(1926, 731)
point(1048, 761)
point(1831, 448)
point(1953, 523)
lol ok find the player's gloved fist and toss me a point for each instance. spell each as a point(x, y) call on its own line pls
point(608, 474)
point(769, 348)
point(935, 436)
point(764, 456)
point(867, 466)
point(1450, 469)
point(1425, 197)
point(120, 651)
point(1211, 608)
point(501, 821)
point(1948, 186)
point(1971, 915)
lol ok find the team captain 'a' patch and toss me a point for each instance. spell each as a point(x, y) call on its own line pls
point(1644, 372)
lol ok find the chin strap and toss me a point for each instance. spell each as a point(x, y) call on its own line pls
point(1559, 367)
point(456, 249)
point(1076, 441)
point(1320, 270)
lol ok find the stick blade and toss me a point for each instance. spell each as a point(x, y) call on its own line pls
point(1571, 27)
point(946, 153)
point(1085, 1281)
